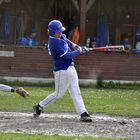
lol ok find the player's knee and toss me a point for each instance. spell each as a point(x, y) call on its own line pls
point(58, 96)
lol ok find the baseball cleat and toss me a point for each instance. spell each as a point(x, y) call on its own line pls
point(85, 117)
point(37, 110)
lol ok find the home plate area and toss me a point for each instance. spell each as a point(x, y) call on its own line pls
point(68, 124)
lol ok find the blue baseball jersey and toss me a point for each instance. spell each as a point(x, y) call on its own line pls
point(60, 51)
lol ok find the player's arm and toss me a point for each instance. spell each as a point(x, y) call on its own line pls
point(65, 52)
point(70, 55)
point(72, 45)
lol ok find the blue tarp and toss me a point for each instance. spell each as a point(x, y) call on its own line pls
point(20, 26)
point(102, 32)
point(138, 33)
point(5, 29)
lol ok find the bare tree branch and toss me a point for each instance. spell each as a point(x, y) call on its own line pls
point(75, 2)
point(30, 12)
point(90, 3)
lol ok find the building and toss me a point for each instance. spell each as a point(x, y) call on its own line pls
point(122, 16)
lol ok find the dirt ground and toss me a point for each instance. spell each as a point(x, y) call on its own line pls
point(69, 124)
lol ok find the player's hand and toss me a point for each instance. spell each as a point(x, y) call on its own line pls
point(85, 49)
point(79, 48)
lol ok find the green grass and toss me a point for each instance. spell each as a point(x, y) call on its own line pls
point(19, 136)
point(111, 101)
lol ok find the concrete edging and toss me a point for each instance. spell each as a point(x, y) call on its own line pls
point(51, 80)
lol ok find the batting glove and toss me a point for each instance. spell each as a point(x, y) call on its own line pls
point(79, 48)
point(84, 49)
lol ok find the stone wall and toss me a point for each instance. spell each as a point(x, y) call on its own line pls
point(35, 62)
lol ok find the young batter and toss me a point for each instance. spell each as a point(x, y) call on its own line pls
point(60, 49)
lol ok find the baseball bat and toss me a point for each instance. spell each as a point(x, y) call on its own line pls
point(119, 47)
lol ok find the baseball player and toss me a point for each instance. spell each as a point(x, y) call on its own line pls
point(6, 88)
point(22, 92)
point(62, 52)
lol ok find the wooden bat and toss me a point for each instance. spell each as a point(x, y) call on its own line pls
point(117, 47)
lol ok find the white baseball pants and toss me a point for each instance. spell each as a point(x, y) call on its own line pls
point(5, 88)
point(66, 80)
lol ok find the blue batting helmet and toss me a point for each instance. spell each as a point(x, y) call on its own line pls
point(55, 26)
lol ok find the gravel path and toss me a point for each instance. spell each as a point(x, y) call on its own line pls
point(69, 124)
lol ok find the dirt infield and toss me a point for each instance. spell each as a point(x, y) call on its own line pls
point(69, 124)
